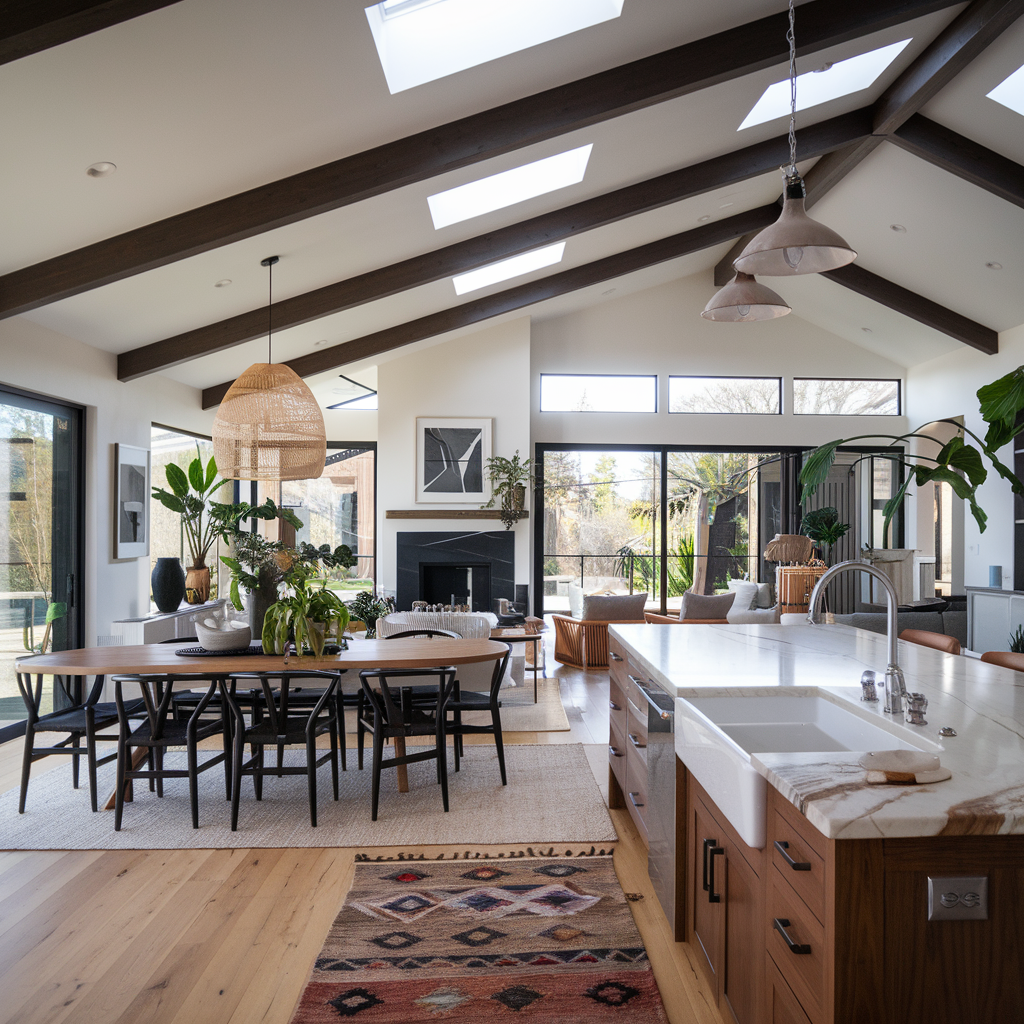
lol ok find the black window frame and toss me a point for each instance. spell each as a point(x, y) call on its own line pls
point(602, 412)
point(719, 376)
point(898, 381)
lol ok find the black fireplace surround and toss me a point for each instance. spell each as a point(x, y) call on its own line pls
point(430, 559)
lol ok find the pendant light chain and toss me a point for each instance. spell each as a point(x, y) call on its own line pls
point(791, 37)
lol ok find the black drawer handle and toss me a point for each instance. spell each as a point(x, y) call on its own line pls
point(781, 924)
point(797, 865)
point(614, 706)
point(614, 656)
point(633, 800)
point(708, 843)
point(635, 740)
point(614, 751)
point(713, 852)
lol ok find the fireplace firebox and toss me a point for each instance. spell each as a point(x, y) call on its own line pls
point(477, 568)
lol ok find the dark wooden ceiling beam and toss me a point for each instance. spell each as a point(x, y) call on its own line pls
point(500, 244)
point(29, 26)
point(917, 307)
point(963, 157)
point(478, 310)
point(963, 39)
point(642, 83)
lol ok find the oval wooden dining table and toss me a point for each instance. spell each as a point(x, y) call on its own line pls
point(411, 652)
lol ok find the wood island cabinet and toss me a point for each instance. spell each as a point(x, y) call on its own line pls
point(627, 742)
point(817, 931)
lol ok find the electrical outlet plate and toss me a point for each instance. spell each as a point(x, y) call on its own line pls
point(960, 898)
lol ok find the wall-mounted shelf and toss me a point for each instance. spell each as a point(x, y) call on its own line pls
point(446, 513)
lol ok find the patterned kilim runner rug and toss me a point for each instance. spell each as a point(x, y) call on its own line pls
point(543, 939)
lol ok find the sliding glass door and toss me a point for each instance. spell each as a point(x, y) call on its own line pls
point(40, 539)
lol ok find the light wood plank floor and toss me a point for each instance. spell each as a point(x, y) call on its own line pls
point(228, 936)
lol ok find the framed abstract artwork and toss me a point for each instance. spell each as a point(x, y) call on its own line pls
point(451, 460)
point(131, 501)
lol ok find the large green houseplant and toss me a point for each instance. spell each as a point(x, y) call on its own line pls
point(508, 478)
point(957, 462)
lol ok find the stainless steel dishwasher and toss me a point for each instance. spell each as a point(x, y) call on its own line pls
point(661, 798)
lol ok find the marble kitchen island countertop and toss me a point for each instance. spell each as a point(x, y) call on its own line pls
point(984, 703)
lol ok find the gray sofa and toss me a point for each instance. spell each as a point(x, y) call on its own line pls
point(950, 623)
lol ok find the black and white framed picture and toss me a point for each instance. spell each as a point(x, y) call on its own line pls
point(131, 501)
point(451, 459)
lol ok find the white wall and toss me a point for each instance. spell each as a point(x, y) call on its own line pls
point(54, 366)
point(486, 374)
point(947, 387)
point(660, 331)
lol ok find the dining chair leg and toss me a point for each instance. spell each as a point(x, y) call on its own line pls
point(341, 730)
point(499, 743)
point(193, 779)
point(26, 767)
point(90, 766)
point(442, 760)
point(257, 779)
point(123, 753)
point(229, 746)
point(311, 777)
point(76, 744)
point(378, 753)
point(237, 752)
point(334, 755)
point(360, 729)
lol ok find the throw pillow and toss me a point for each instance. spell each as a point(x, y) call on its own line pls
point(612, 607)
point(706, 606)
point(765, 597)
point(575, 601)
point(746, 593)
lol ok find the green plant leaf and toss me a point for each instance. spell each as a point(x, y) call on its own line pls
point(196, 476)
point(1000, 403)
point(211, 472)
point(959, 455)
point(177, 479)
point(236, 597)
point(168, 500)
point(55, 610)
point(816, 468)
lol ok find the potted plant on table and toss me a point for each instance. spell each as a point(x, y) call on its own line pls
point(509, 478)
point(309, 612)
point(368, 608)
point(822, 525)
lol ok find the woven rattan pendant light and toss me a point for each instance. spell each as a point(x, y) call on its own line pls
point(795, 243)
point(269, 426)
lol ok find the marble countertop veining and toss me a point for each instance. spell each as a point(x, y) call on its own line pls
point(984, 703)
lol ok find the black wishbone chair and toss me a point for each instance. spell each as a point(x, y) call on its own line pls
point(160, 730)
point(80, 719)
point(277, 722)
point(397, 714)
point(470, 700)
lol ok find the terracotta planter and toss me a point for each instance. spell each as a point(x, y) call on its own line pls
point(197, 585)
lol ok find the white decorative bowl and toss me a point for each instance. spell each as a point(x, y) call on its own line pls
point(235, 639)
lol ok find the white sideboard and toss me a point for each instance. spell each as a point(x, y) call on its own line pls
point(155, 628)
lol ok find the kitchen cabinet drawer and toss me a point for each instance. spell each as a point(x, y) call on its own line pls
point(617, 754)
point(799, 954)
point(617, 705)
point(783, 1006)
point(798, 862)
point(636, 737)
point(636, 794)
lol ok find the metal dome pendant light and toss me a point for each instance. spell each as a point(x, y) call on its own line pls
point(795, 243)
point(269, 425)
point(744, 299)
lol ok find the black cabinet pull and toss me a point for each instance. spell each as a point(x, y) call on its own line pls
point(781, 924)
point(635, 681)
point(614, 751)
point(633, 800)
point(614, 706)
point(713, 897)
point(635, 740)
point(708, 843)
point(614, 656)
point(797, 865)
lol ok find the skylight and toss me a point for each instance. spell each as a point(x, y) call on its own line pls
point(509, 187)
point(353, 395)
point(504, 269)
point(814, 87)
point(1010, 92)
point(419, 41)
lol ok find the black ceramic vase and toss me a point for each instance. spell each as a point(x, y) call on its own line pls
point(168, 582)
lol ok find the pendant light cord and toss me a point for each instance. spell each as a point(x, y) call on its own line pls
point(270, 309)
point(791, 37)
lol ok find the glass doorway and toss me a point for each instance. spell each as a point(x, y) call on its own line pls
point(40, 539)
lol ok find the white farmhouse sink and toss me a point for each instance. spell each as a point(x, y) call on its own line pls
point(715, 737)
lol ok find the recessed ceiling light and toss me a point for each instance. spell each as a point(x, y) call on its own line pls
point(704, 219)
point(827, 83)
point(505, 269)
point(509, 187)
point(420, 42)
point(1010, 91)
point(223, 282)
point(994, 266)
point(101, 169)
point(725, 206)
point(898, 228)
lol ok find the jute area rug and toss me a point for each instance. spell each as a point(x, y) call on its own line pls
point(545, 938)
point(551, 797)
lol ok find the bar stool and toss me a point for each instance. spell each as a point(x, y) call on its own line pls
point(159, 730)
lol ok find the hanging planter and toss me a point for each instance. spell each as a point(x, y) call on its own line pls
point(508, 479)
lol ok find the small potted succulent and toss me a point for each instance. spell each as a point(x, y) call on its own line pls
point(509, 478)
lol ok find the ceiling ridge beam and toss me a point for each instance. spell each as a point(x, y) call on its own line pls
point(37, 25)
point(642, 83)
point(471, 253)
point(521, 296)
point(963, 157)
point(917, 307)
point(956, 46)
